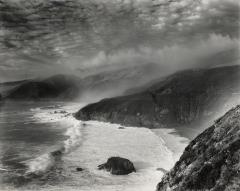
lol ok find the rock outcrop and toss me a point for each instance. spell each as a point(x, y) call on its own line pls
point(211, 161)
point(182, 98)
point(118, 166)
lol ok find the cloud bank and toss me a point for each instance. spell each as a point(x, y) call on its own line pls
point(63, 35)
point(174, 57)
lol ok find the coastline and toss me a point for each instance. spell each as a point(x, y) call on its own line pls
point(91, 143)
point(100, 140)
point(173, 140)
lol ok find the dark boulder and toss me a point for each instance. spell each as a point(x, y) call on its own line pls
point(84, 124)
point(79, 169)
point(118, 166)
point(57, 153)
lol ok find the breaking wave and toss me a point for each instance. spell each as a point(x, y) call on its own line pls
point(40, 164)
point(46, 161)
point(74, 140)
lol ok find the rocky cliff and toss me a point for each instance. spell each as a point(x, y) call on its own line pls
point(182, 98)
point(211, 161)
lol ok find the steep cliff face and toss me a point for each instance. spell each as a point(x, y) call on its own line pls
point(211, 161)
point(182, 98)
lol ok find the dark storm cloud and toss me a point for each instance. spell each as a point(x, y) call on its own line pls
point(58, 32)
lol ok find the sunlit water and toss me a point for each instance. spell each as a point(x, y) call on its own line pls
point(42, 144)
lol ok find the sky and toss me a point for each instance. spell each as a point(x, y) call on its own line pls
point(45, 37)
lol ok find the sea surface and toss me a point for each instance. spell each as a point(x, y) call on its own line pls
point(42, 145)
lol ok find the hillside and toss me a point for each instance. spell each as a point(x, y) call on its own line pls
point(57, 87)
point(183, 98)
point(93, 87)
point(5, 87)
point(211, 161)
point(118, 81)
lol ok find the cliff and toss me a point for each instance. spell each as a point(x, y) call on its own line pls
point(182, 98)
point(211, 161)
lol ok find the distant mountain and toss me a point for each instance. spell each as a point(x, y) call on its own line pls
point(228, 57)
point(211, 161)
point(57, 87)
point(183, 98)
point(6, 86)
point(221, 58)
point(92, 88)
point(118, 81)
point(12, 83)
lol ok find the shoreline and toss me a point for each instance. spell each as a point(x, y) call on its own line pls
point(150, 152)
point(173, 140)
point(100, 140)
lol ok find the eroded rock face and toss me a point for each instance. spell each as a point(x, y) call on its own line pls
point(211, 161)
point(184, 98)
point(118, 166)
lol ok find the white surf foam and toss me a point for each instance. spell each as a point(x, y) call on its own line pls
point(74, 140)
point(35, 109)
point(46, 161)
point(145, 149)
point(40, 164)
point(174, 142)
point(103, 140)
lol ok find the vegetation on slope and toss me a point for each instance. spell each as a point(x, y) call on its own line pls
point(211, 161)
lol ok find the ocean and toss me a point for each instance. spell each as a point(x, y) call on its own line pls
point(42, 145)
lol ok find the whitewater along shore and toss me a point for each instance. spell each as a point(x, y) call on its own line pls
point(89, 144)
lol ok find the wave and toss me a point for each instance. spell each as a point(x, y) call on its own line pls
point(46, 161)
point(74, 139)
point(41, 164)
point(35, 109)
point(55, 169)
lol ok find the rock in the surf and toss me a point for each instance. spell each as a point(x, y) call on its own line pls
point(118, 166)
point(79, 169)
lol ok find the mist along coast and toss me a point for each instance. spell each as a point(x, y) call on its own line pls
point(53, 145)
point(135, 141)
point(110, 95)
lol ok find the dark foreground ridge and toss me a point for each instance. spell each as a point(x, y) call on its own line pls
point(182, 98)
point(211, 161)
